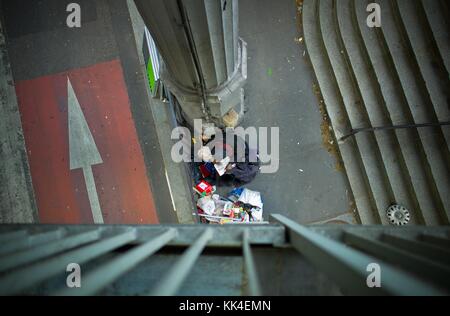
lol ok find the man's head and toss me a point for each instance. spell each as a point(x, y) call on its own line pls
point(208, 132)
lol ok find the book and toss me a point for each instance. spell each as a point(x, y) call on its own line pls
point(221, 166)
point(204, 188)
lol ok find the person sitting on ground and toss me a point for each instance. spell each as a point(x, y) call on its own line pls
point(244, 162)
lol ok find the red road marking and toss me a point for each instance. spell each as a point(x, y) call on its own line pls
point(122, 185)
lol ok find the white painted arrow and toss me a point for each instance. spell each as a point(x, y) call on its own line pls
point(83, 151)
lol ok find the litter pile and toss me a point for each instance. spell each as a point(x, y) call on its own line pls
point(226, 159)
point(241, 206)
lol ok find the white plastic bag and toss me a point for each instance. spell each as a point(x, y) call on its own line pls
point(251, 197)
point(207, 205)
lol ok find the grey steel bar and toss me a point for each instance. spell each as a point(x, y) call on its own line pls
point(235, 221)
point(435, 240)
point(348, 267)
point(424, 267)
point(30, 241)
point(224, 235)
point(393, 127)
point(27, 256)
point(173, 280)
point(26, 277)
point(111, 271)
point(250, 267)
point(418, 247)
point(13, 235)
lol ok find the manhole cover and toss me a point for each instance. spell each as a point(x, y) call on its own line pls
point(398, 215)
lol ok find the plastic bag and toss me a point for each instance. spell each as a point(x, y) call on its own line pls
point(252, 198)
point(207, 205)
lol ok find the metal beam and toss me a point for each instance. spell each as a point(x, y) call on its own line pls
point(24, 278)
point(173, 280)
point(348, 267)
point(436, 240)
point(250, 267)
point(13, 235)
point(418, 247)
point(224, 235)
point(30, 241)
point(30, 255)
point(408, 261)
point(107, 273)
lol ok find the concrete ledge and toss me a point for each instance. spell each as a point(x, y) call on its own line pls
point(175, 174)
point(17, 202)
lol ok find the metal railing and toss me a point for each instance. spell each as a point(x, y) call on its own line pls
point(414, 260)
point(346, 258)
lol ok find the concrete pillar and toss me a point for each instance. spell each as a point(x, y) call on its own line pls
point(204, 61)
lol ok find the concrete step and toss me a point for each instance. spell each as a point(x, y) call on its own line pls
point(415, 92)
point(419, 36)
point(338, 115)
point(367, 144)
point(397, 111)
point(438, 23)
point(364, 84)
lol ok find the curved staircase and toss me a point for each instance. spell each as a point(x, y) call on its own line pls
point(386, 91)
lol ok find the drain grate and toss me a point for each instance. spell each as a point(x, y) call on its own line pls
point(398, 215)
